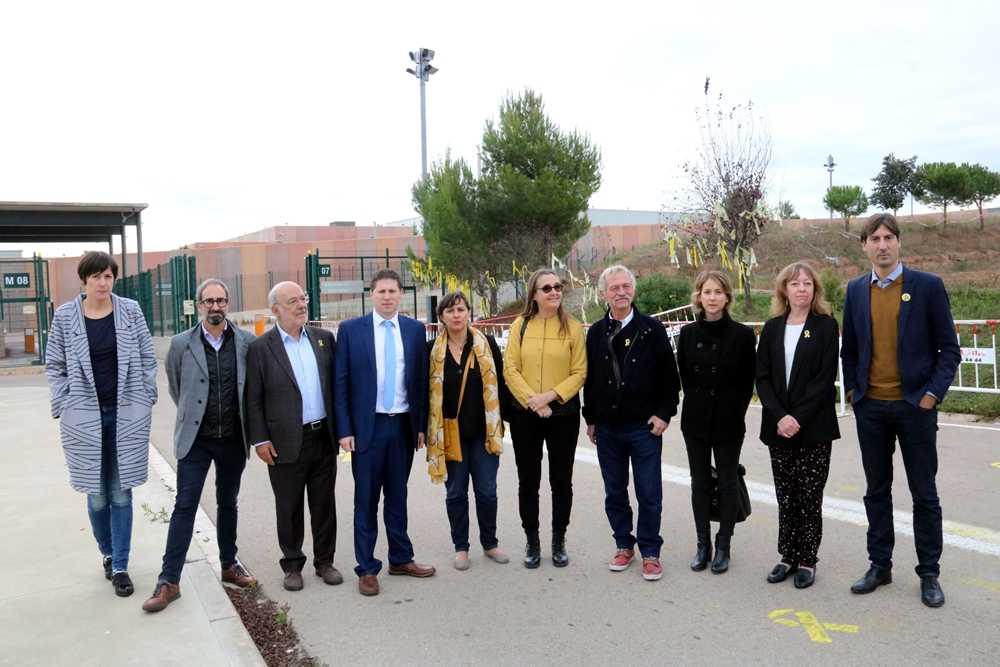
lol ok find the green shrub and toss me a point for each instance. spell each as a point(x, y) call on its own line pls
point(657, 293)
point(833, 288)
point(974, 303)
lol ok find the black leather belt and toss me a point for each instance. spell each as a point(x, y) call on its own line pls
point(313, 426)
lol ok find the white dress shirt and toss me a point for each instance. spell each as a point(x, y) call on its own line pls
point(400, 403)
point(303, 359)
point(216, 343)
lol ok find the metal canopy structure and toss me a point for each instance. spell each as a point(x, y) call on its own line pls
point(41, 222)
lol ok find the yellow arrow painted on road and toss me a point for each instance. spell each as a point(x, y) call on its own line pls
point(807, 620)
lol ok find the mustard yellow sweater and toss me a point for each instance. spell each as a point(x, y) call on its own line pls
point(545, 359)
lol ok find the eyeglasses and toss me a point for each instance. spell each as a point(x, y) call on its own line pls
point(304, 300)
point(221, 301)
point(548, 288)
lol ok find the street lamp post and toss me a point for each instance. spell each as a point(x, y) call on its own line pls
point(422, 59)
point(830, 164)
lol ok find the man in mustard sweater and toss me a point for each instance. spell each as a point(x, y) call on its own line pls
point(900, 355)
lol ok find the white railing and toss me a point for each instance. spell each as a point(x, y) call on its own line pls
point(976, 359)
point(978, 368)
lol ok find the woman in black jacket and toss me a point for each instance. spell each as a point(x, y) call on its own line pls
point(466, 390)
point(796, 371)
point(716, 358)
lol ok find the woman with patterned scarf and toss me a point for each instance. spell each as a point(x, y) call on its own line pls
point(465, 430)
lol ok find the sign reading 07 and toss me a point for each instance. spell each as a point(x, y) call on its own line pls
point(16, 280)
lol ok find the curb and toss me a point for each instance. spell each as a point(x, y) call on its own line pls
point(228, 628)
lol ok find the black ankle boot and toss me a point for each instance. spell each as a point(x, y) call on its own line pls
point(559, 556)
point(532, 552)
point(721, 561)
point(704, 553)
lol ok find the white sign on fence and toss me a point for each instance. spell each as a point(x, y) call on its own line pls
point(342, 287)
point(189, 306)
point(979, 355)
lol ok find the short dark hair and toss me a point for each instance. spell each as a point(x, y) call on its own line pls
point(451, 299)
point(94, 262)
point(887, 220)
point(386, 274)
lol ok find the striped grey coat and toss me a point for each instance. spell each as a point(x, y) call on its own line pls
point(74, 397)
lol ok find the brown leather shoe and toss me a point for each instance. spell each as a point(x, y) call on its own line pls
point(413, 569)
point(164, 594)
point(368, 584)
point(329, 574)
point(238, 576)
point(293, 581)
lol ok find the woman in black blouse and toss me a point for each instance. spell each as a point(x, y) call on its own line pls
point(461, 351)
point(716, 357)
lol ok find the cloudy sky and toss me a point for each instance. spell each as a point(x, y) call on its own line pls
point(229, 117)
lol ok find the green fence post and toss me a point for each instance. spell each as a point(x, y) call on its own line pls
point(192, 287)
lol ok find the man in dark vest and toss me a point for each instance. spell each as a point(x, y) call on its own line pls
point(900, 355)
point(206, 366)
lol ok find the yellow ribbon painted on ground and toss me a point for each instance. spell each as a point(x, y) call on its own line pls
point(816, 630)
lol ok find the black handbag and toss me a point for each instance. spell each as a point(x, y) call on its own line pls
point(742, 496)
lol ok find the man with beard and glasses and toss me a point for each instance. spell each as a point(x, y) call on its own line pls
point(206, 366)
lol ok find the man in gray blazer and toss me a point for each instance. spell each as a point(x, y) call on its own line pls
point(290, 423)
point(206, 367)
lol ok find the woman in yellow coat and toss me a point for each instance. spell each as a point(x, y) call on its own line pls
point(545, 365)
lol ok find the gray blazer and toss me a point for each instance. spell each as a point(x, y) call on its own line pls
point(187, 374)
point(74, 397)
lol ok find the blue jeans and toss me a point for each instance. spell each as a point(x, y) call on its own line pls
point(111, 510)
point(230, 459)
point(616, 444)
point(482, 467)
point(880, 424)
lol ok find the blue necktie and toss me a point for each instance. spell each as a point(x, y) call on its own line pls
point(389, 379)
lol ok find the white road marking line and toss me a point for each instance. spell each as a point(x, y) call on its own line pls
point(970, 426)
point(963, 536)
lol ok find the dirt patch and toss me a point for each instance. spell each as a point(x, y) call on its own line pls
point(271, 628)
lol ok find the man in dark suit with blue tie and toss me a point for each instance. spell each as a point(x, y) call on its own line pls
point(380, 400)
point(900, 355)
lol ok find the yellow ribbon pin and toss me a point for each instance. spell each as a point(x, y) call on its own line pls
point(906, 296)
point(806, 334)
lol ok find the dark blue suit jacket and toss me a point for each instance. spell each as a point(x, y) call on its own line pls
point(356, 382)
point(926, 348)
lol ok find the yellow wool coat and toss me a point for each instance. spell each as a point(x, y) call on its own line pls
point(545, 359)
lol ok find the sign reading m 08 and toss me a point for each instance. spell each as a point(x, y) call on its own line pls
point(16, 280)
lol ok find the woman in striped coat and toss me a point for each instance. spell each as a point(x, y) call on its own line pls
point(102, 378)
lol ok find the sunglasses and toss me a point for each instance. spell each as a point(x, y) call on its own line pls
point(548, 288)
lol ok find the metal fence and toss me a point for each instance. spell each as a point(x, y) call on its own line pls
point(977, 373)
point(165, 293)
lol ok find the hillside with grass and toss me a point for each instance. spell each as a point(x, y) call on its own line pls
point(966, 258)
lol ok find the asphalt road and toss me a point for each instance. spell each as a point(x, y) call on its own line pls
point(585, 614)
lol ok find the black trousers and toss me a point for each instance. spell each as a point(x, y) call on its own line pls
point(880, 425)
point(315, 474)
point(528, 431)
point(800, 473)
point(700, 452)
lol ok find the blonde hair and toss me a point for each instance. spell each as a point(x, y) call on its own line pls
point(531, 306)
point(699, 283)
point(779, 302)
